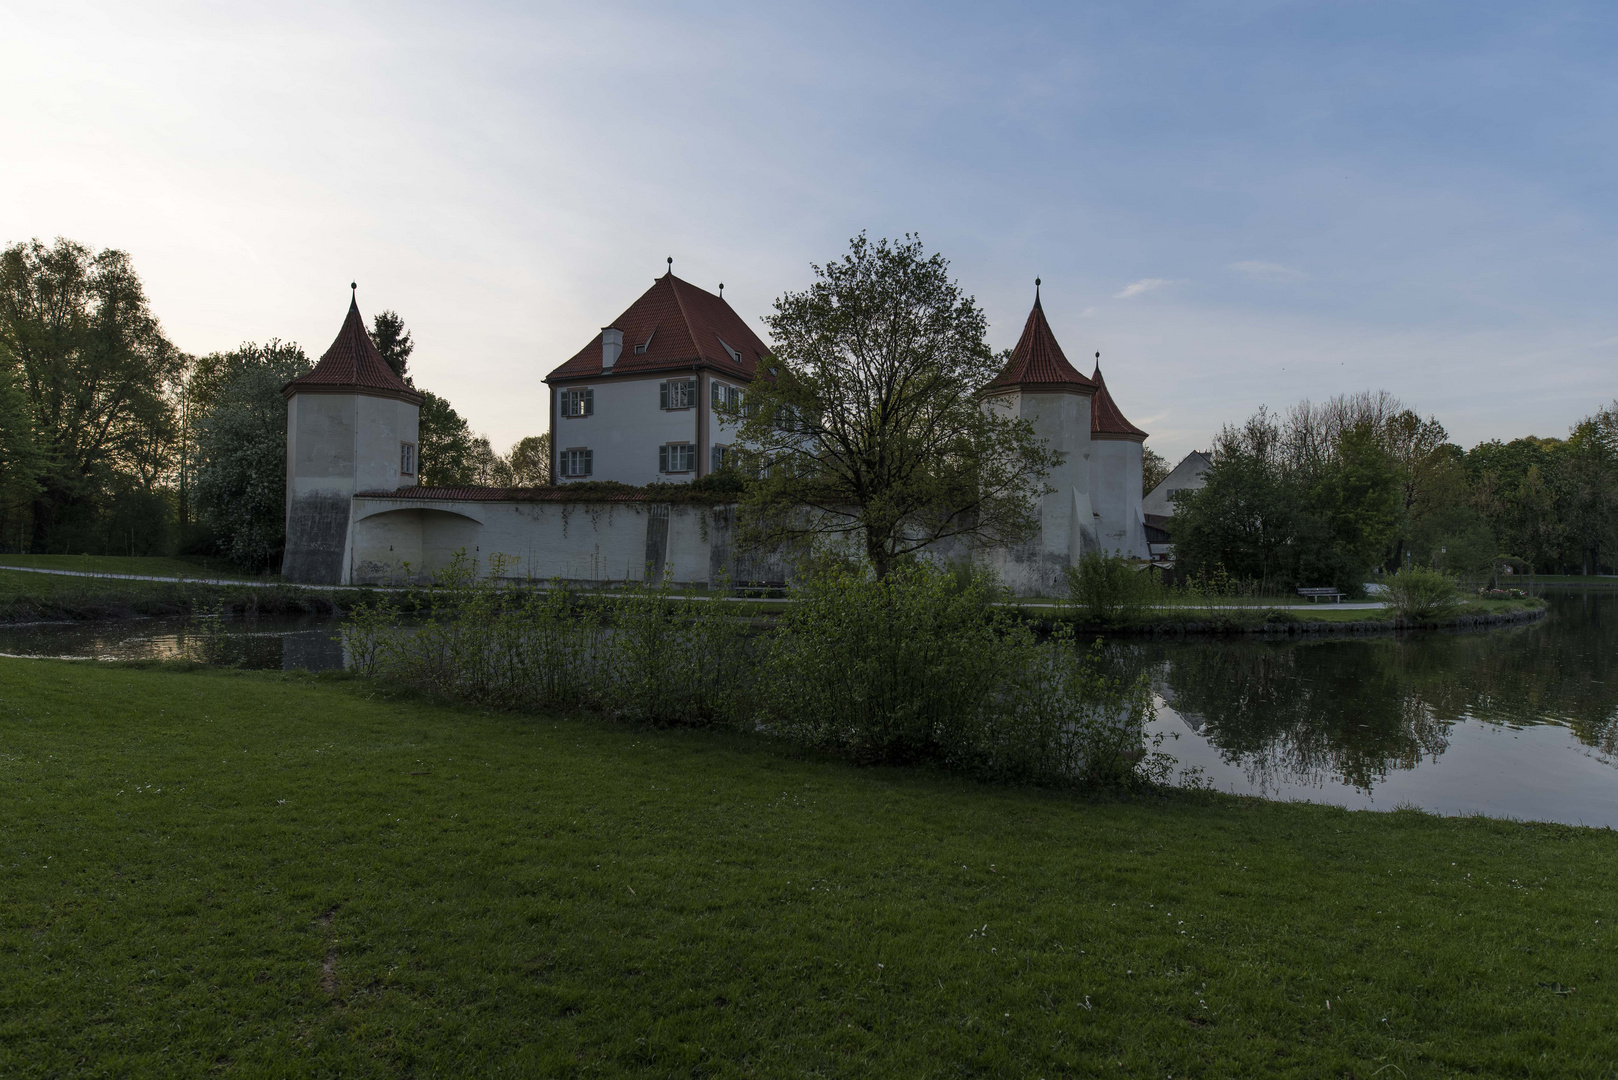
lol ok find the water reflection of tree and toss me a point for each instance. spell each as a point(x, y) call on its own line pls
point(1353, 709)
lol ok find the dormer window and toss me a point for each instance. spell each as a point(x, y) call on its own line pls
point(640, 349)
point(735, 356)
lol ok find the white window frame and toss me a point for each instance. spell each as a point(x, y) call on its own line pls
point(577, 402)
point(671, 455)
point(716, 456)
point(670, 391)
point(571, 461)
point(407, 459)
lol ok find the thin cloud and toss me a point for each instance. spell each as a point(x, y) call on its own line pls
point(1268, 271)
point(1137, 288)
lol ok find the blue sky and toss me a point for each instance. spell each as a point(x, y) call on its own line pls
point(1236, 203)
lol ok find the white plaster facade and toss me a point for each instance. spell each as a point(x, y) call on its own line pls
point(1186, 476)
point(1116, 495)
point(628, 424)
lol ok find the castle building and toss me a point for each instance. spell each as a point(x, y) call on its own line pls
point(1095, 501)
point(637, 405)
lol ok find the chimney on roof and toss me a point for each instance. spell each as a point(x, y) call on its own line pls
point(612, 346)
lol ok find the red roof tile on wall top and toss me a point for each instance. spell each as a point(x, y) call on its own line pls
point(682, 327)
point(496, 494)
point(353, 363)
point(1105, 416)
point(1038, 360)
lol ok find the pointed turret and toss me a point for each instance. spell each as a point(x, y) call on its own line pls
point(353, 366)
point(1107, 421)
point(353, 425)
point(1037, 363)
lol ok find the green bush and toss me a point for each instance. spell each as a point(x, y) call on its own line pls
point(642, 653)
point(1421, 594)
point(1108, 589)
point(920, 667)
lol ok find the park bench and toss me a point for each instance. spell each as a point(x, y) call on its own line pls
point(1317, 595)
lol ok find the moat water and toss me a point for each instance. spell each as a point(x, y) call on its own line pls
point(1519, 722)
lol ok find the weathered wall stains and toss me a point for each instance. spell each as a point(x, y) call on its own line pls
point(317, 538)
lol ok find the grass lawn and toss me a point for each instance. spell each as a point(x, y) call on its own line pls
point(139, 564)
point(267, 874)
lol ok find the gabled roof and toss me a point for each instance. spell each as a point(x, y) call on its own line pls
point(1106, 419)
point(681, 327)
point(1037, 362)
point(353, 366)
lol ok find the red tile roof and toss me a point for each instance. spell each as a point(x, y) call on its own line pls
point(1037, 361)
point(1106, 419)
point(353, 365)
point(682, 327)
point(497, 494)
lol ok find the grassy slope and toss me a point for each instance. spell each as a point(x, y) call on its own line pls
point(267, 874)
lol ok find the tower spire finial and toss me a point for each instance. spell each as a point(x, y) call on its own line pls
point(1098, 364)
point(671, 266)
point(1036, 292)
point(721, 290)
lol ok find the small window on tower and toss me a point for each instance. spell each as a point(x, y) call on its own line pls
point(407, 458)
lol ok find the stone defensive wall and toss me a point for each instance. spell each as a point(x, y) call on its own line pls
point(632, 535)
point(543, 535)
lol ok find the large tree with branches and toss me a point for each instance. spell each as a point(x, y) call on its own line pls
point(94, 366)
point(866, 423)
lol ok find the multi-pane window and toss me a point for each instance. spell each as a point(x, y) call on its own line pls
point(407, 458)
point(722, 396)
point(575, 462)
point(579, 402)
point(677, 458)
point(677, 393)
point(718, 458)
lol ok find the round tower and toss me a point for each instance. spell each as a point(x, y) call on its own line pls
point(352, 427)
point(1039, 385)
point(1117, 449)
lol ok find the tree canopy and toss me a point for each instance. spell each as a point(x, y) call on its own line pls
point(241, 467)
point(866, 424)
point(80, 343)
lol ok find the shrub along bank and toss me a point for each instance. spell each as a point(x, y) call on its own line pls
point(918, 667)
point(218, 873)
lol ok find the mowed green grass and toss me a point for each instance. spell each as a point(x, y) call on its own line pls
point(267, 875)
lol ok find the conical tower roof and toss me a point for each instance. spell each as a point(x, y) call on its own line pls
point(1038, 363)
point(1107, 421)
point(353, 366)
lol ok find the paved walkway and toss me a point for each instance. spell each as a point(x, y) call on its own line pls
point(1352, 606)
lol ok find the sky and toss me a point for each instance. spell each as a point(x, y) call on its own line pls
point(1236, 203)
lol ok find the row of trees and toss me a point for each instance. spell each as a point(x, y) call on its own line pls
point(114, 441)
point(1328, 493)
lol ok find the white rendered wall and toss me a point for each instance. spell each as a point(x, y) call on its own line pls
point(591, 542)
point(381, 425)
point(719, 434)
point(1187, 476)
point(626, 429)
point(1067, 517)
point(1116, 494)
